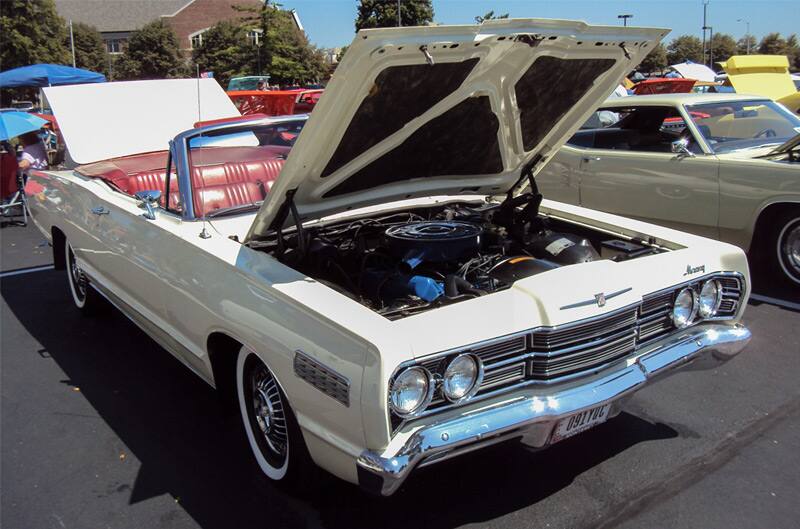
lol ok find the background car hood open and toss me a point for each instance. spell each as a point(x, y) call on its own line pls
point(444, 110)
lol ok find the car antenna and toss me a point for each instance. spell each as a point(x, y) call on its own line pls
point(204, 232)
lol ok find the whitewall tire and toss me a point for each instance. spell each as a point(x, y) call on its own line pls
point(787, 246)
point(269, 423)
point(83, 295)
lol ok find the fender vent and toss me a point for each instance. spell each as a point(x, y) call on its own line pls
point(324, 379)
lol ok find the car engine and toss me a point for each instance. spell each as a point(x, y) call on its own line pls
point(408, 262)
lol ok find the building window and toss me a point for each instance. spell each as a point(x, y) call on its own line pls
point(196, 39)
point(254, 36)
point(114, 45)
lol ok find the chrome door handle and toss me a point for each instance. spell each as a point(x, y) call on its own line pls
point(100, 210)
point(591, 159)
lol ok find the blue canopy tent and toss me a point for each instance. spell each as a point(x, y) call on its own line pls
point(48, 75)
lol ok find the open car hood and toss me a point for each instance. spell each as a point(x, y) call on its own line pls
point(446, 110)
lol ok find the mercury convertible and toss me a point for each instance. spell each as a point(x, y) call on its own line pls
point(380, 287)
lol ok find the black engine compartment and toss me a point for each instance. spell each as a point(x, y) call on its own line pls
point(408, 262)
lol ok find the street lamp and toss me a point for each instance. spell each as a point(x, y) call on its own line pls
point(747, 34)
point(625, 19)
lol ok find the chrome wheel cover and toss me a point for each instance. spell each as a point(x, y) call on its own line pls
point(268, 411)
point(77, 277)
point(789, 249)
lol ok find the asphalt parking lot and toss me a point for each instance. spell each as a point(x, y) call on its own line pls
point(101, 428)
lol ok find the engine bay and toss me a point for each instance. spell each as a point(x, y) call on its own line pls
point(408, 262)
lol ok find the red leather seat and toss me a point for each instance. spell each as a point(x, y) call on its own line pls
point(217, 182)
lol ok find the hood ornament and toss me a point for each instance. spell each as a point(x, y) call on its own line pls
point(599, 299)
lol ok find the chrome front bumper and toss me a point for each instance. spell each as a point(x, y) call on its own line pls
point(533, 412)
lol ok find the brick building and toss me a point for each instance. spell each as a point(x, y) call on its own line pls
point(117, 19)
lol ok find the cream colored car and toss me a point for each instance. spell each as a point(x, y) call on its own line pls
point(392, 299)
point(732, 174)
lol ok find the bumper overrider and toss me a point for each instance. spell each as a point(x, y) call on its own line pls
point(533, 412)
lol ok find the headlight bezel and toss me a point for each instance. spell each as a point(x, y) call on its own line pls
point(690, 291)
point(717, 299)
point(426, 400)
point(476, 382)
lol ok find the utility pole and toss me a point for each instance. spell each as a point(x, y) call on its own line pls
point(747, 34)
point(705, 15)
point(72, 43)
point(710, 46)
point(625, 19)
point(399, 22)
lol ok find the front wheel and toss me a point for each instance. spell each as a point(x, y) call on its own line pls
point(270, 425)
point(84, 297)
point(786, 245)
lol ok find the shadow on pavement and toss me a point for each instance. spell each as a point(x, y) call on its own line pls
point(191, 449)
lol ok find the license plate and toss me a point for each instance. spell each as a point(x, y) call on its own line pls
point(580, 422)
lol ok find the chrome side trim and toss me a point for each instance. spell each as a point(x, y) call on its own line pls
point(534, 412)
point(323, 378)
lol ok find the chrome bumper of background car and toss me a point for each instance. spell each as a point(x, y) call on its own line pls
point(531, 414)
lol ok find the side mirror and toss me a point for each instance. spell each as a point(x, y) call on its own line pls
point(681, 146)
point(148, 200)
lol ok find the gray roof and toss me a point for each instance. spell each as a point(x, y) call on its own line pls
point(117, 15)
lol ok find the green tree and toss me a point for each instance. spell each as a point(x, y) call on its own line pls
point(793, 51)
point(723, 47)
point(383, 13)
point(772, 44)
point(490, 16)
point(655, 61)
point(31, 32)
point(90, 52)
point(152, 53)
point(746, 44)
point(683, 48)
point(227, 51)
point(287, 54)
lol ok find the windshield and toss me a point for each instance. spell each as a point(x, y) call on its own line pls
point(733, 125)
point(245, 83)
point(233, 169)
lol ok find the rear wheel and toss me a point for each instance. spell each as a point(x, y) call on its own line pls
point(84, 297)
point(786, 245)
point(270, 425)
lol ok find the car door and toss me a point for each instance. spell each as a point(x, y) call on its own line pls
point(621, 176)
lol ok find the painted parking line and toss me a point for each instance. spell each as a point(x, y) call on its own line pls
point(25, 271)
point(775, 301)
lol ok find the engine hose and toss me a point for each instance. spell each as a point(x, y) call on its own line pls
point(456, 285)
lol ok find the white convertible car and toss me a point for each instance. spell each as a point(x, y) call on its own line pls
point(399, 294)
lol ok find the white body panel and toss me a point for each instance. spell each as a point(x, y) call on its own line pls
point(110, 120)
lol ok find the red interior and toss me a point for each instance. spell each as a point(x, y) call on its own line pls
point(222, 177)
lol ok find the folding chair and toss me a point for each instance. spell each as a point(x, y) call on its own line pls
point(12, 185)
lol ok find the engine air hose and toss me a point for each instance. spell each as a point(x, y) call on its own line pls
point(456, 285)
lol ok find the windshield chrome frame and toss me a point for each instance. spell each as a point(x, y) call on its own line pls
point(180, 148)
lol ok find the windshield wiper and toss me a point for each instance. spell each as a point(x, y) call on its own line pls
point(234, 209)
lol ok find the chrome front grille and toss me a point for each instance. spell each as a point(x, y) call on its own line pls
point(549, 354)
point(580, 347)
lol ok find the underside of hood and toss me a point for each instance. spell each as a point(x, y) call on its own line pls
point(446, 110)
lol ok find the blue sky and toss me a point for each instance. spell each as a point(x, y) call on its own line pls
point(329, 23)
